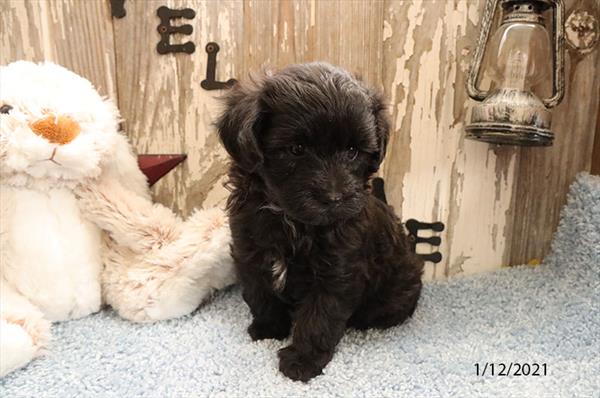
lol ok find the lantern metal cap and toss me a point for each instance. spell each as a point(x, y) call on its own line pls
point(524, 11)
point(541, 5)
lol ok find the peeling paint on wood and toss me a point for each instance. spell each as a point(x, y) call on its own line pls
point(165, 109)
point(482, 193)
point(72, 33)
point(431, 172)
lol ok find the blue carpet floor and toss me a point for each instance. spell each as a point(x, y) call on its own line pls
point(548, 315)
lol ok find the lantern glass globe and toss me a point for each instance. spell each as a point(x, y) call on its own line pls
point(520, 56)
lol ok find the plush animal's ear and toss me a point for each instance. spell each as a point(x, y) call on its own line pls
point(382, 129)
point(239, 124)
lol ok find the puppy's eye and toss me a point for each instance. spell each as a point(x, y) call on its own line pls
point(352, 153)
point(5, 108)
point(297, 150)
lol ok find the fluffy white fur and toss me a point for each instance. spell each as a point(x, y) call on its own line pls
point(77, 226)
point(154, 271)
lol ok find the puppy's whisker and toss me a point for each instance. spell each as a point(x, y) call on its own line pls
point(272, 207)
point(278, 210)
point(291, 225)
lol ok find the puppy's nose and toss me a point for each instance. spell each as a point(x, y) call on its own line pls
point(56, 129)
point(333, 197)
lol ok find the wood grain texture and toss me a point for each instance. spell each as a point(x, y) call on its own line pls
point(76, 34)
point(342, 32)
point(164, 107)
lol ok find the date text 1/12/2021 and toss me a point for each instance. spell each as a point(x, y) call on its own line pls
point(511, 369)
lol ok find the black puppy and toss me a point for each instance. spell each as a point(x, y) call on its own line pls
point(315, 252)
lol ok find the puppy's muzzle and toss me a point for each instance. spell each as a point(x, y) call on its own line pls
point(333, 198)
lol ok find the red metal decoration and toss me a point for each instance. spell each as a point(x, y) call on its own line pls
point(157, 166)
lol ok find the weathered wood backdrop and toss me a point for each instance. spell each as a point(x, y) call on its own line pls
point(500, 204)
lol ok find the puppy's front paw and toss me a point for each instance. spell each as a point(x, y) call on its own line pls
point(298, 366)
point(260, 330)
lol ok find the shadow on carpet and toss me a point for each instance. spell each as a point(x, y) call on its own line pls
point(545, 315)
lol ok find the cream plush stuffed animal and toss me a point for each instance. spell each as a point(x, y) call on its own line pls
point(77, 226)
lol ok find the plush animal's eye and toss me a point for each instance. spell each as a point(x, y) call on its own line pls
point(352, 153)
point(297, 150)
point(5, 108)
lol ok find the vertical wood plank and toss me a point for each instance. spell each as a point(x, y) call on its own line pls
point(431, 171)
point(72, 33)
point(343, 32)
point(164, 106)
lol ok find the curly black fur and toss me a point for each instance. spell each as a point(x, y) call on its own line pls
point(314, 250)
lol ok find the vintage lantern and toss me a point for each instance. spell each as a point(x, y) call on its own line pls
point(520, 56)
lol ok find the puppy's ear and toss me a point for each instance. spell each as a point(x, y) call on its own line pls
point(382, 130)
point(239, 123)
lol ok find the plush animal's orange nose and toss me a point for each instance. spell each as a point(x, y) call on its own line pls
point(58, 130)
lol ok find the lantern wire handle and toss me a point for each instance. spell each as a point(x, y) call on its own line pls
point(488, 17)
point(558, 55)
